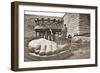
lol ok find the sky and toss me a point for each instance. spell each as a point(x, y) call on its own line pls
point(44, 13)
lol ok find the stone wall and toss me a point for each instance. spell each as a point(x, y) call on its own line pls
point(77, 23)
point(72, 22)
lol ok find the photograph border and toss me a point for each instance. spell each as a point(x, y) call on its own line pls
point(15, 34)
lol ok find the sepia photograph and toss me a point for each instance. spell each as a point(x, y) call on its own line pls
point(52, 36)
point(56, 36)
